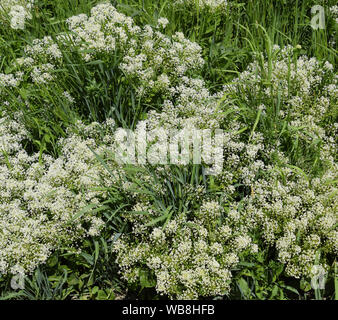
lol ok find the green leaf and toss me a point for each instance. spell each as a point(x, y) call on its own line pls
point(145, 281)
point(294, 290)
point(88, 258)
point(305, 285)
point(274, 291)
point(244, 288)
point(53, 260)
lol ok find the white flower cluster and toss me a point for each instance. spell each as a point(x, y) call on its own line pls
point(155, 64)
point(188, 257)
point(297, 217)
point(287, 76)
point(18, 12)
point(334, 12)
point(10, 80)
point(151, 60)
point(307, 89)
point(41, 58)
point(190, 105)
point(40, 197)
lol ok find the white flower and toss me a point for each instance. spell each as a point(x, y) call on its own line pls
point(18, 15)
point(162, 22)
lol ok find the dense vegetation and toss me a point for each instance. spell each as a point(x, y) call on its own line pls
point(76, 224)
